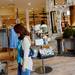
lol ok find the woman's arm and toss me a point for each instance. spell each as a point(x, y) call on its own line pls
point(26, 48)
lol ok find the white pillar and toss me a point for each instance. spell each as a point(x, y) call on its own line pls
point(27, 20)
point(59, 27)
point(49, 7)
point(17, 16)
point(0, 33)
point(0, 21)
point(48, 17)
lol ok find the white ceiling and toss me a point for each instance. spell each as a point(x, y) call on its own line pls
point(23, 4)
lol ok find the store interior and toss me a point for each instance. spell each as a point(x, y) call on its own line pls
point(52, 27)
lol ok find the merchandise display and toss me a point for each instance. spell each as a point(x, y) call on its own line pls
point(39, 42)
point(44, 28)
point(46, 52)
point(37, 27)
point(43, 52)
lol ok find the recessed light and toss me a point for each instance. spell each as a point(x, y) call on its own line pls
point(32, 8)
point(56, 3)
point(36, 9)
point(68, 12)
point(2, 7)
point(11, 0)
point(29, 4)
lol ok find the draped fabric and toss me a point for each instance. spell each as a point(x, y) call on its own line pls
point(4, 37)
point(13, 38)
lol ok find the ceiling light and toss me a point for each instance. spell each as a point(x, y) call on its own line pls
point(68, 12)
point(2, 7)
point(29, 4)
point(32, 8)
point(11, 0)
point(36, 9)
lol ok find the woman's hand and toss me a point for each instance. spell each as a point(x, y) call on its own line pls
point(23, 68)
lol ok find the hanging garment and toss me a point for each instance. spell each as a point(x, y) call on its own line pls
point(0, 39)
point(13, 39)
point(4, 38)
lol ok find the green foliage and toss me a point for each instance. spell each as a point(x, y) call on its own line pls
point(74, 33)
point(68, 32)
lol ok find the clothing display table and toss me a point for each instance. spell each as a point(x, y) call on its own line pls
point(44, 69)
point(44, 52)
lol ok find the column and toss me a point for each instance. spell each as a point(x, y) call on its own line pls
point(49, 8)
point(0, 21)
point(27, 20)
point(59, 28)
point(48, 17)
point(17, 16)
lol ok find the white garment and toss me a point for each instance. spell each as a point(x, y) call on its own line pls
point(27, 62)
point(44, 28)
point(37, 27)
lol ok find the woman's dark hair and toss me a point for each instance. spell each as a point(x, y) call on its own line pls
point(42, 22)
point(19, 28)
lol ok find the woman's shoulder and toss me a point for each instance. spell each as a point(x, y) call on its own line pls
point(27, 38)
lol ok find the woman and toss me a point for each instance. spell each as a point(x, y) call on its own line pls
point(24, 62)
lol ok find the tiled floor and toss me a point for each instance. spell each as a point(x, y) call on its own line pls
point(61, 65)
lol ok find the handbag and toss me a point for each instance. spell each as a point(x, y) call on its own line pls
point(31, 53)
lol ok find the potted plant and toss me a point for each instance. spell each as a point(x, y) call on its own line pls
point(73, 33)
point(68, 32)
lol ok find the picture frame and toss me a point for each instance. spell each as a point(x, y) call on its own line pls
point(59, 2)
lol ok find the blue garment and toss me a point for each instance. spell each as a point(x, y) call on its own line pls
point(21, 53)
point(19, 58)
point(26, 72)
point(19, 48)
point(13, 39)
point(4, 38)
point(20, 72)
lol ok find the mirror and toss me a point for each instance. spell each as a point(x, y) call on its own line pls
point(53, 21)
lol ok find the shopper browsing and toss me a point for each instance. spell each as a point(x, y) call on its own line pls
point(24, 60)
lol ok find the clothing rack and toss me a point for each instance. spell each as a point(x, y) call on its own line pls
point(5, 48)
